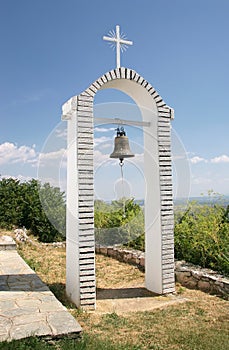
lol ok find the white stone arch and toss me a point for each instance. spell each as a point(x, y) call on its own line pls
point(159, 255)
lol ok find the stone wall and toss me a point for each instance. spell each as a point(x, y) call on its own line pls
point(188, 275)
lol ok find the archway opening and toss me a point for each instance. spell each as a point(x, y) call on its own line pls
point(153, 240)
point(111, 190)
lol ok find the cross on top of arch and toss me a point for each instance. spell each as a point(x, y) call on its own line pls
point(120, 41)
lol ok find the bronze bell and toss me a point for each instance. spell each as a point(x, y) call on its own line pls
point(121, 147)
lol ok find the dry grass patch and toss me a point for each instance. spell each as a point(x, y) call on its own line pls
point(200, 323)
point(111, 273)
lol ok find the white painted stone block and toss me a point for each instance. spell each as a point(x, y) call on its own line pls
point(113, 75)
point(123, 73)
point(117, 73)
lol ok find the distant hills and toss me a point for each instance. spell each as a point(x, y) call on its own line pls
point(224, 200)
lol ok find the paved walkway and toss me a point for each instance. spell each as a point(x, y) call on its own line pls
point(27, 306)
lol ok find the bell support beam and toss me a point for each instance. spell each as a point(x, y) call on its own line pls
point(120, 122)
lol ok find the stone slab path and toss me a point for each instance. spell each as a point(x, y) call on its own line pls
point(133, 299)
point(27, 306)
point(136, 304)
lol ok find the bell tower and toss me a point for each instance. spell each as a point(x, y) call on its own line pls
point(159, 221)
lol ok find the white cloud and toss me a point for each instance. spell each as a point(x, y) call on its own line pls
point(53, 155)
point(61, 133)
point(138, 159)
point(216, 160)
point(102, 139)
point(106, 145)
point(197, 159)
point(100, 129)
point(102, 159)
point(59, 156)
point(11, 153)
point(19, 177)
point(221, 159)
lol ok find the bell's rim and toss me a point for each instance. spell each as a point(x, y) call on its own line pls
point(121, 156)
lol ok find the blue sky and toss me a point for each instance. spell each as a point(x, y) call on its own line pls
point(53, 49)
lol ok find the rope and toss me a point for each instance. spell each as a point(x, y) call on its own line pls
point(123, 194)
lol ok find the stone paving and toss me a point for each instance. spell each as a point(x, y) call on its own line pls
point(27, 306)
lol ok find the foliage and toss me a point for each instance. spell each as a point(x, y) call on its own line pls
point(202, 236)
point(31, 205)
point(137, 243)
point(118, 222)
point(201, 231)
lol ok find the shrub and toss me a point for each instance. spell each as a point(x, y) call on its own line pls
point(202, 236)
point(32, 205)
point(118, 222)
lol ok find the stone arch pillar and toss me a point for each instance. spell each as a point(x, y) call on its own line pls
point(80, 241)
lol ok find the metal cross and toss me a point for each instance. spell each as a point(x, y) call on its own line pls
point(120, 43)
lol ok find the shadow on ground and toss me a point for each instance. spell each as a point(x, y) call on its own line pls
point(123, 293)
point(22, 283)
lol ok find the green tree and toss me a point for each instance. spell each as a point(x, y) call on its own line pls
point(33, 205)
point(53, 204)
point(118, 222)
point(10, 202)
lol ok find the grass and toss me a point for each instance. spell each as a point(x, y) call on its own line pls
point(201, 323)
point(86, 342)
